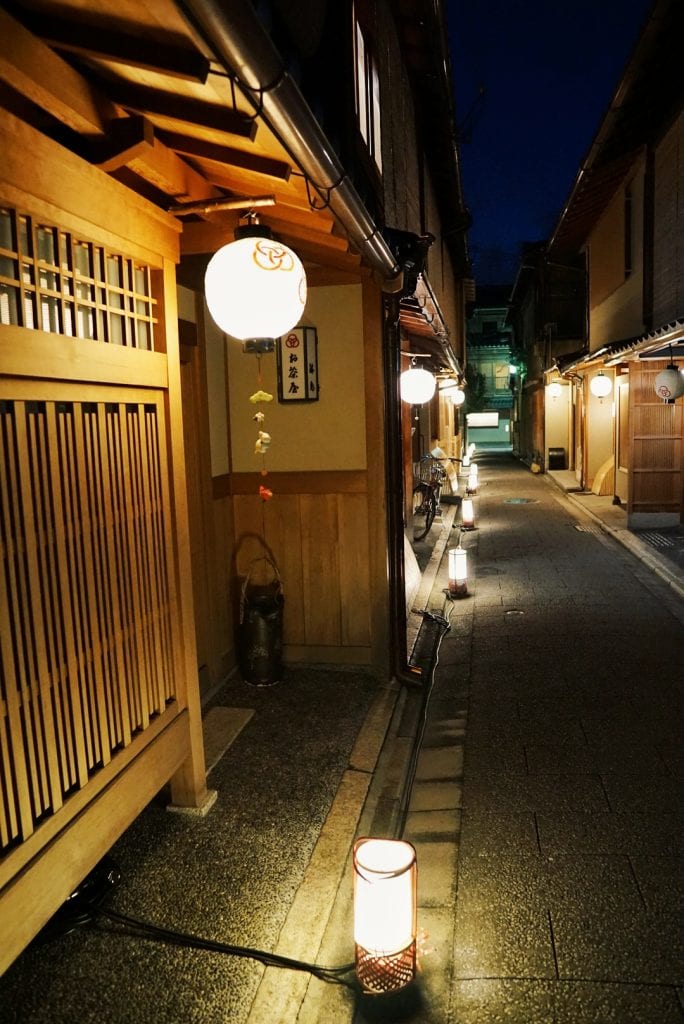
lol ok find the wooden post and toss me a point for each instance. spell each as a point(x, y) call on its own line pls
point(188, 784)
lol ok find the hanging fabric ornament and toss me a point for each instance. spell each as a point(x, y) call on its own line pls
point(264, 493)
point(260, 396)
point(262, 443)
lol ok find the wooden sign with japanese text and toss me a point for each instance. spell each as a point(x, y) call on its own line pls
point(297, 353)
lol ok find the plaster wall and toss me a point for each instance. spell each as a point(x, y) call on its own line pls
point(615, 297)
point(329, 434)
point(600, 432)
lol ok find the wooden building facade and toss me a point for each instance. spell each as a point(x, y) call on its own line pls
point(134, 138)
point(623, 219)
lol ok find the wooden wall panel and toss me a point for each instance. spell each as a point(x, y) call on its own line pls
point(353, 569)
point(283, 534)
point(320, 544)
point(321, 568)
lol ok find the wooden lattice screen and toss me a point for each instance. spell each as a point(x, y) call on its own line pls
point(85, 591)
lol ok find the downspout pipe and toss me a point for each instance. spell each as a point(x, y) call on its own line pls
point(239, 41)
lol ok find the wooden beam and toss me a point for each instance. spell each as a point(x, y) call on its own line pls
point(166, 171)
point(172, 107)
point(188, 145)
point(128, 138)
point(33, 70)
point(103, 43)
point(208, 237)
point(244, 183)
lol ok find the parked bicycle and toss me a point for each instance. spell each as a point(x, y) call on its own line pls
point(426, 495)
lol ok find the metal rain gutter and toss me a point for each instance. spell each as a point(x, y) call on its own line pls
point(238, 39)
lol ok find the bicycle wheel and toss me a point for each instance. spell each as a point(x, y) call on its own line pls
point(424, 508)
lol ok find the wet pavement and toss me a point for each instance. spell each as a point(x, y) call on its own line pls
point(545, 807)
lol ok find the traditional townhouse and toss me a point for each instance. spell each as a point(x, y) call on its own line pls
point(148, 459)
point(547, 314)
point(489, 353)
point(625, 428)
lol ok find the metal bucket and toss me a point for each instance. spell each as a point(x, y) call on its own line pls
point(260, 630)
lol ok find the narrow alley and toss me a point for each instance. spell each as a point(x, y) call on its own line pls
point(545, 810)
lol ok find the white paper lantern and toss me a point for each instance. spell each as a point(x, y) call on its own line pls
point(384, 913)
point(467, 514)
point(600, 385)
point(669, 384)
point(458, 397)
point(458, 572)
point(417, 386)
point(255, 287)
point(555, 388)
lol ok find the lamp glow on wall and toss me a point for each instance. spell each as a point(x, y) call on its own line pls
point(416, 385)
point(600, 385)
point(555, 388)
point(255, 287)
point(385, 915)
point(458, 572)
point(467, 514)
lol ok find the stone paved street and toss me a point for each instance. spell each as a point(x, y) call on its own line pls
point(546, 811)
point(567, 905)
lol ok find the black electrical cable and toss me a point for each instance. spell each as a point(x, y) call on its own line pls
point(153, 932)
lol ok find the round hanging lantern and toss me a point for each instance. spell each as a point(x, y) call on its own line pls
point(555, 388)
point(458, 397)
point(255, 287)
point(416, 386)
point(600, 385)
point(669, 384)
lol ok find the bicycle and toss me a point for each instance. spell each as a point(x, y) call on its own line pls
point(426, 496)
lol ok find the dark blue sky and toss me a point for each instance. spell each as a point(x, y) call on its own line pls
point(549, 69)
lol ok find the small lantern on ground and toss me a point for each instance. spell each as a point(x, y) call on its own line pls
point(472, 479)
point(467, 514)
point(385, 917)
point(458, 572)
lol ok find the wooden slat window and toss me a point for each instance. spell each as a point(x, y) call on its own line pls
point(52, 281)
point(85, 594)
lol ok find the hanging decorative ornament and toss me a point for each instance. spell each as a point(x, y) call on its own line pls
point(255, 287)
point(260, 396)
point(669, 384)
point(262, 442)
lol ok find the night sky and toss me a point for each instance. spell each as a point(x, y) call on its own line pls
point(549, 70)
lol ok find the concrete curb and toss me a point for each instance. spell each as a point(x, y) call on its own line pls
point(326, 887)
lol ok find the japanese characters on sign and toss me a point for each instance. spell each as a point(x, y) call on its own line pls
point(298, 365)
